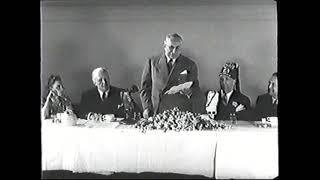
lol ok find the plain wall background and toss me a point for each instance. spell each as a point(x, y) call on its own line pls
point(78, 36)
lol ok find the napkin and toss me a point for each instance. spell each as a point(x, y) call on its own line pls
point(212, 102)
point(178, 88)
point(184, 72)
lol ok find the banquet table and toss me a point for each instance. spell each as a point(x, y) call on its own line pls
point(244, 151)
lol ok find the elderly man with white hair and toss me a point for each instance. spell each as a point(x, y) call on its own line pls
point(103, 98)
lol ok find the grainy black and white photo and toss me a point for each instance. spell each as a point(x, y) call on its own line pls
point(159, 89)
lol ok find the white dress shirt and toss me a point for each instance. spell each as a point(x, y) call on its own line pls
point(274, 100)
point(101, 93)
point(173, 60)
point(228, 95)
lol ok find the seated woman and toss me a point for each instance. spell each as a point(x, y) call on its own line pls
point(55, 100)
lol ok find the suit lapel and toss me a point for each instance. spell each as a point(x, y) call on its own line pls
point(162, 66)
point(97, 94)
point(176, 67)
point(269, 100)
point(232, 97)
point(162, 70)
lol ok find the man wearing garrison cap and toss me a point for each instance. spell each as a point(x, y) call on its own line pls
point(231, 100)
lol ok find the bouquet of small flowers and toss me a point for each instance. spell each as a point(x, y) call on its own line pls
point(177, 120)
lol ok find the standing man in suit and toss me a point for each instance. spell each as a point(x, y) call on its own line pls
point(104, 98)
point(231, 100)
point(164, 72)
point(267, 104)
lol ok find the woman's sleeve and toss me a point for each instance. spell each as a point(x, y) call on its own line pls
point(69, 103)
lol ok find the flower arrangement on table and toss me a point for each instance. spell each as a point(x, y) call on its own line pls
point(177, 120)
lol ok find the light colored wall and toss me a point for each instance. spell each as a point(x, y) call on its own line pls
point(77, 37)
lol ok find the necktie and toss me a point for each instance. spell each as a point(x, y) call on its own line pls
point(103, 96)
point(170, 65)
point(225, 99)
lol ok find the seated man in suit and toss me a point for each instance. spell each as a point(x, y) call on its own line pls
point(162, 76)
point(229, 100)
point(104, 98)
point(267, 104)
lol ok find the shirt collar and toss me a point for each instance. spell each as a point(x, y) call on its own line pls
point(228, 94)
point(274, 100)
point(173, 60)
point(101, 93)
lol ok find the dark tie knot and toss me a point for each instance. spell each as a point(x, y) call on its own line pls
point(225, 99)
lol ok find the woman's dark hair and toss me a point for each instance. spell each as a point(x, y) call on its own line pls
point(52, 79)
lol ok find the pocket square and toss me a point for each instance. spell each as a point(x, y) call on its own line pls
point(184, 72)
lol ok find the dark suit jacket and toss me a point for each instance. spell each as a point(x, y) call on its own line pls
point(264, 107)
point(239, 98)
point(156, 81)
point(91, 102)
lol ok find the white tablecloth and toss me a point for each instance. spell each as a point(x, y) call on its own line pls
point(127, 150)
point(243, 152)
point(247, 153)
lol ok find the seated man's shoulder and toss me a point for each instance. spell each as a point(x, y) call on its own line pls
point(115, 89)
point(187, 60)
point(264, 96)
point(90, 91)
point(242, 96)
point(155, 58)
